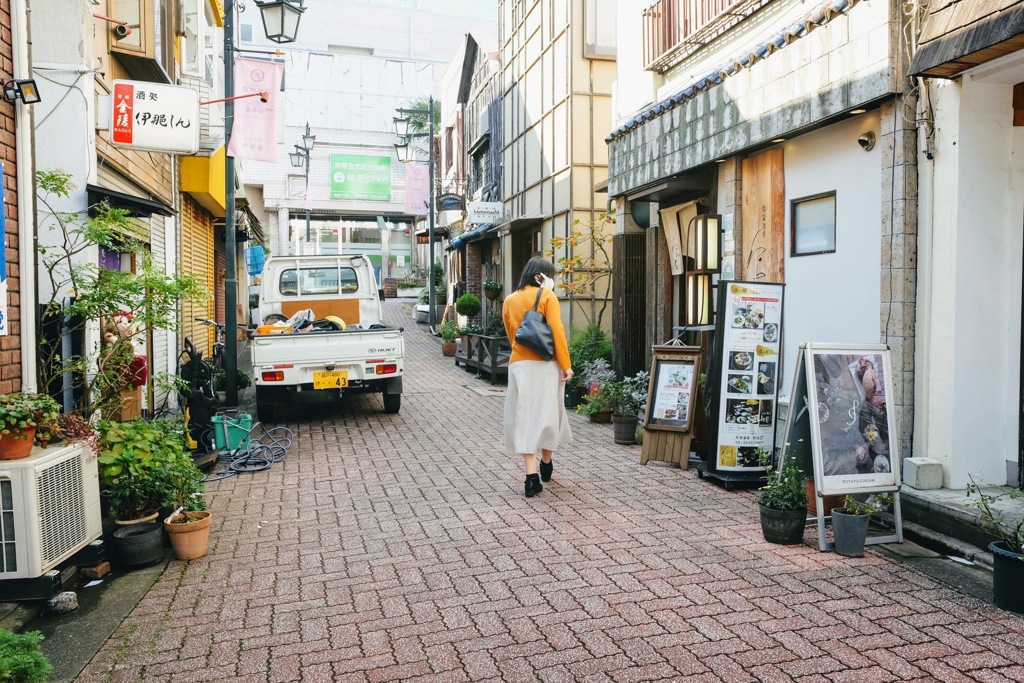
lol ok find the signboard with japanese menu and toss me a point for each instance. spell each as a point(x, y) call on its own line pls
point(154, 117)
point(744, 380)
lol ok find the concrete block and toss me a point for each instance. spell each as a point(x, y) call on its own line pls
point(923, 474)
point(97, 572)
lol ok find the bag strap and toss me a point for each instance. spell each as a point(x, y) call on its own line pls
point(540, 290)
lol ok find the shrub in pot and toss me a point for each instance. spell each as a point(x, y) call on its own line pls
point(449, 331)
point(1007, 548)
point(783, 502)
point(26, 419)
point(468, 305)
point(850, 522)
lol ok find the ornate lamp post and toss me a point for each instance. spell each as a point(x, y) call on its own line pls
point(281, 16)
point(299, 157)
point(403, 149)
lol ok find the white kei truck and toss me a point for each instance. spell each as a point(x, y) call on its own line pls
point(348, 348)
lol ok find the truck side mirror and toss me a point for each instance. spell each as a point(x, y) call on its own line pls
point(380, 294)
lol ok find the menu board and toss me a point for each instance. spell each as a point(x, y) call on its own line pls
point(672, 390)
point(746, 373)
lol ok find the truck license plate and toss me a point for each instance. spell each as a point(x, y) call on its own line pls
point(335, 379)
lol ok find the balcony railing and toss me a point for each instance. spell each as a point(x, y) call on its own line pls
point(668, 23)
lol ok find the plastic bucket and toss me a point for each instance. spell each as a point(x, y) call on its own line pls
point(230, 433)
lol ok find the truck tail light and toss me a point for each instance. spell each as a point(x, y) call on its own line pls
point(273, 376)
point(387, 369)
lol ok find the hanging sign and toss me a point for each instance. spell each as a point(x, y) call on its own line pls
point(744, 381)
point(485, 212)
point(449, 201)
point(154, 117)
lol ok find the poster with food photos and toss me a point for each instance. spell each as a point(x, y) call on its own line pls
point(671, 394)
point(750, 341)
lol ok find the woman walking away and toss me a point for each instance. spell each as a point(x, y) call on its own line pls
point(535, 417)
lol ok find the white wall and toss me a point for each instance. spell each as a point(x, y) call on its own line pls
point(969, 360)
point(835, 297)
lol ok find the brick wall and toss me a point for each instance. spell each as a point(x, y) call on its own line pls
point(10, 345)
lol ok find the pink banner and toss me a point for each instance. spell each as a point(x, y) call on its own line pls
point(253, 132)
point(417, 189)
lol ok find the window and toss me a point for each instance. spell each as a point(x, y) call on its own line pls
point(245, 33)
point(599, 29)
point(147, 53)
point(813, 225)
point(449, 148)
point(318, 281)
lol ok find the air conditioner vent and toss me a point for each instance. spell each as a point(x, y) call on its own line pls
point(61, 508)
point(8, 539)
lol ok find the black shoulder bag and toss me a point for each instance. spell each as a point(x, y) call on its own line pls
point(534, 332)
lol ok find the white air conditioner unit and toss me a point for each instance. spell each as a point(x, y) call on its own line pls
point(49, 509)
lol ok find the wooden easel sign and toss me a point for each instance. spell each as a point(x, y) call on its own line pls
point(841, 412)
point(671, 404)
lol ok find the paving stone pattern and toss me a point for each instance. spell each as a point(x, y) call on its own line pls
point(401, 548)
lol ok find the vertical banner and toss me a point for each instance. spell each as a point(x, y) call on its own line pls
point(764, 217)
point(4, 328)
point(253, 132)
point(417, 189)
point(748, 354)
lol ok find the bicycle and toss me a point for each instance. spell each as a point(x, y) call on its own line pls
point(216, 358)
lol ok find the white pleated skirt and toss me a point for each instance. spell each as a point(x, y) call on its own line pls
point(535, 416)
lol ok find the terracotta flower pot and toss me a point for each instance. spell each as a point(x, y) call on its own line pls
point(190, 540)
point(17, 445)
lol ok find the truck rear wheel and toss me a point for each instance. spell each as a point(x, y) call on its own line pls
point(392, 403)
point(265, 406)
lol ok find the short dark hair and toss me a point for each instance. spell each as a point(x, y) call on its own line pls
point(538, 264)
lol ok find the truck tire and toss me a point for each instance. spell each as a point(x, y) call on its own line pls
point(265, 406)
point(392, 403)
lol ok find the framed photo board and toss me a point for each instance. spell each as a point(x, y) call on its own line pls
point(672, 388)
point(745, 376)
point(843, 424)
point(672, 404)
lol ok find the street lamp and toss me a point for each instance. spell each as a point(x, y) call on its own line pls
point(299, 157)
point(284, 33)
point(403, 149)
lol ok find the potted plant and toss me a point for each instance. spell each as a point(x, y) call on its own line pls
point(586, 345)
point(21, 659)
point(783, 502)
point(468, 305)
point(25, 420)
point(440, 289)
point(492, 289)
point(449, 332)
point(626, 400)
point(1007, 548)
point(599, 381)
point(189, 525)
point(850, 522)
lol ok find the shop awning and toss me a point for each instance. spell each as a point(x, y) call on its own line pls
point(957, 36)
point(137, 206)
point(473, 234)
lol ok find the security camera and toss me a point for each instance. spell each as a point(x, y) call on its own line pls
point(122, 31)
point(867, 141)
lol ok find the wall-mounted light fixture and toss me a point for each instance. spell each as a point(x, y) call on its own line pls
point(23, 89)
point(703, 256)
point(281, 19)
point(867, 141)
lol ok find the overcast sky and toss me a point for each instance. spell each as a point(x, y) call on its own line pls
point(482, 9)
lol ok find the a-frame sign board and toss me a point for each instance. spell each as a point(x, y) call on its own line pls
point(674, 405)
point(842, 425)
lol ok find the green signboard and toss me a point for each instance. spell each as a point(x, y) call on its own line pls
point(360, 177)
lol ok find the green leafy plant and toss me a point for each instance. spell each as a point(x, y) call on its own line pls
point(126, 305)
point(585, 345)
point(493, 286)
point(220, 380)
point(143, 467)
point(871, 505)
point(410, 283)
point(449, 331)
point(585, 263)
point(437, 274)
point(21, 658)
point(993, 520)
point(23, 411)
point(468, 305)
point(630, 395)
point(785, 490)
point(423, 296)
point(602, 390)
point(470, 329)
point(74, 428)
point(494, 324)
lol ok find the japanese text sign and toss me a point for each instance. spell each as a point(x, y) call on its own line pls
point(154, 117)
point(360, 177)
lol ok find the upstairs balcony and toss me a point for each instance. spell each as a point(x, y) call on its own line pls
point(676, 28)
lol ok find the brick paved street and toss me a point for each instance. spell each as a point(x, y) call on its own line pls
point(401, 547)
